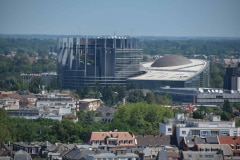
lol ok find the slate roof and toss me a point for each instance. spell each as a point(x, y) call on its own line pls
point(191, 155)
point(191, 141)
point(165, 155)
point(76, 154)
point(153, 140)
point(227, 150)
point(5, 158)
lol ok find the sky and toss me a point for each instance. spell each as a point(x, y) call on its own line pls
point(205, 18)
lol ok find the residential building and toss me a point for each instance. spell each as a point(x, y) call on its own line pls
point(190, 155)
point(233, 142)
point(153, 140)
point(28, 113)
point(183, 126)
point(224, 149)
point(88, 104)
point(55, 100)
point(122, 139)
point(92, 61)
point(119, 154)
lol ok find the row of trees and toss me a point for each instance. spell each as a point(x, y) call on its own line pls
point(137, 118)
point(227, 112)
point(191, 47)
point(31, 47)
point(11, 69)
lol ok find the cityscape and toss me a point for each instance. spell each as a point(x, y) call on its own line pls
point(111, 80)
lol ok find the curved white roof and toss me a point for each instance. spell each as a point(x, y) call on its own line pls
point(177, 73)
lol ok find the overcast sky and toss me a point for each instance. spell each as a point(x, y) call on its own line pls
point(121, 17)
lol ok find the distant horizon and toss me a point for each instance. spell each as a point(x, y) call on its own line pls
point(93, 36)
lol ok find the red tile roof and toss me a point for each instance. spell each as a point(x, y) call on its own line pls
point(101, 136)
point(233, 141)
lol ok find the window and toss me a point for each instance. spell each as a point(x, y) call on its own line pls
point(195, 132)
point(208, 156)
point(238, 146)
point(207, 150)
point(184, 132)
point(169, 129)
point(224, 133)
point(204, 133)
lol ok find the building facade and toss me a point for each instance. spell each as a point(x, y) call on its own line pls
point(97, 61)
point(232, 78)
point(183, 126)
point(174, 71)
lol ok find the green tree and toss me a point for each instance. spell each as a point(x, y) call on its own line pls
point(135, 96)
point(227, 107)
point(150, 98)
point(4, 126)
point(35, 85)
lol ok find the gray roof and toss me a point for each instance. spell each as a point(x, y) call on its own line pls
point(171, 60)
point(212, 140)
point(227, 150)
point(5, 158)
point(153, 140)
point(191, 155)
point(77, 154)
point(22, 155)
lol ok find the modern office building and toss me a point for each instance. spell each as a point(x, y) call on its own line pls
point(201, 96)
point(174, 71)
point(101, 60)
point(232, 78)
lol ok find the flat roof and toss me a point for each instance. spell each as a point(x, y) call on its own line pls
point(173, 73)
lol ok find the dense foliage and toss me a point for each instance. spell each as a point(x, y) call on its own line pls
point(12, 68)
point(217, 73)
point(142, 117)
point(32, 47)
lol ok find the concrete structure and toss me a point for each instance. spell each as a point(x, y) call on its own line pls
point(55, 100)
point(46, 77)
point(97, 61)
point(28, 113)
point(201, 96)
point(174, 71)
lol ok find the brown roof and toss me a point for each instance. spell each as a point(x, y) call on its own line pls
point(233, 141)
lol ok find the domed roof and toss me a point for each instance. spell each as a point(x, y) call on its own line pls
point(171, 60)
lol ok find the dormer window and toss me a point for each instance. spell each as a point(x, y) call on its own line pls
point(232, 146)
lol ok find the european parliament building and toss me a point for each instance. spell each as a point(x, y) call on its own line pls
point(86, 61)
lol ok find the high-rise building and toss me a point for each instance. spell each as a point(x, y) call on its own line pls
point(101, 60)
point(232, 78)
